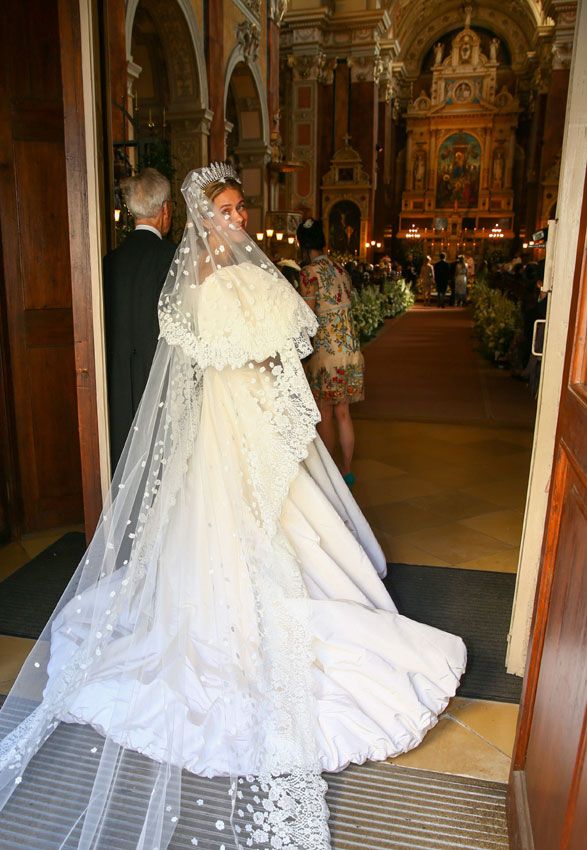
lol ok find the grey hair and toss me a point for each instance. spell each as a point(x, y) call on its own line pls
point(146, 193)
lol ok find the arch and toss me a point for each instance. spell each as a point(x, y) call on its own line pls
point(484, 33)
point(236, 58)
point(248, 125)
point(196, 41)
point(178, 68)
point(416, 35)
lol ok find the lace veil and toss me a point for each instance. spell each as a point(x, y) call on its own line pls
point(168, 702)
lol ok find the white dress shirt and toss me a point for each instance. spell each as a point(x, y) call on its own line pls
point(149, 227)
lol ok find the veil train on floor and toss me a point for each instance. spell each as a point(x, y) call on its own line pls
point(226, 637)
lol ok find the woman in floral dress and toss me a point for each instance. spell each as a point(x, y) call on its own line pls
point(335, 369)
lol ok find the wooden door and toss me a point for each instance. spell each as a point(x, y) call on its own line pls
point(36, 265)
point(548, 787)
point(10, 496)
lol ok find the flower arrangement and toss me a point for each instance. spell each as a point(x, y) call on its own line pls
point(398, 297)
point(497, 320)
point(372, 305)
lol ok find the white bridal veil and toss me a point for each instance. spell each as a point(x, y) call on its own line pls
point(168, 702)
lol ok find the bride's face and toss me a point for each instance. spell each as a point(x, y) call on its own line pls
point(233, 209)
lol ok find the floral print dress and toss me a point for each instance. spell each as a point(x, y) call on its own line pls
point(335, 369)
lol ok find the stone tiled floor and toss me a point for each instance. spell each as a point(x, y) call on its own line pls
point(472, 738)
point(444, 495)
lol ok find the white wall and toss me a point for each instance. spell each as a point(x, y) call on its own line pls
point(562, 263)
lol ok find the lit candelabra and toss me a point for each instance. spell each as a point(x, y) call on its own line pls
point(496, 232)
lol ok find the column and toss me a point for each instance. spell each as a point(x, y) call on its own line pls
point(214, 18)
point(364, 116)
point(305, 98)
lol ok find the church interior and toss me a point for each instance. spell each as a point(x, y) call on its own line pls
point(411, 129)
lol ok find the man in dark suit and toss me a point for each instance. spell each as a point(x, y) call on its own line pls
point(442, 278)
point(134, 274)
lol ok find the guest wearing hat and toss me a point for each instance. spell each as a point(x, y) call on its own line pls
point(335, 369)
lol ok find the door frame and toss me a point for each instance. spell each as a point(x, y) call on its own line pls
point(79, 42)
point(561, 258)
point(572, 404)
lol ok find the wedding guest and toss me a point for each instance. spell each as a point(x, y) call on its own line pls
point(134, 274)
point(442, 277)
point(291, 271)
point(426, 279)
point(410, 273)
point(470, 263)
point(396, 270)
point(533, 367)
point(335, 369)
point(460, 281)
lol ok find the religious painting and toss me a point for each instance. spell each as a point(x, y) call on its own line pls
point(344, 228)
point(459, 166)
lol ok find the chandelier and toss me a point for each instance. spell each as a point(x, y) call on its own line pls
point(413, 232)
point(496, 232)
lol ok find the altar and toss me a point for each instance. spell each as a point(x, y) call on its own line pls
point(461, 139)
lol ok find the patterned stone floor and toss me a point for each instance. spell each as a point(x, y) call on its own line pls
point(444, 495)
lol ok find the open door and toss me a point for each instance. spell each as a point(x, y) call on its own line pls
point(547, 806)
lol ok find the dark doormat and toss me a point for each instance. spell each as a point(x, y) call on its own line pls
point(373, 806)
point(29, 596)
point(471, 603)
point(474, 604)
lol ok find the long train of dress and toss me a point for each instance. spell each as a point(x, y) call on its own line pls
point(379, 679)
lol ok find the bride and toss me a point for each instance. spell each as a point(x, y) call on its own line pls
point(227, 625)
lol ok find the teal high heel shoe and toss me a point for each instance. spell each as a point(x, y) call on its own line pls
point(349, 479)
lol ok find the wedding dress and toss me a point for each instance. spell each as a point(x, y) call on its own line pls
point(228, 619)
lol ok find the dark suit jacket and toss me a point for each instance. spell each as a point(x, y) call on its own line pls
point(134, 274)
point(442, 275)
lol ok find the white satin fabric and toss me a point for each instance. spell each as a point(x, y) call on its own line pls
point(379, 679)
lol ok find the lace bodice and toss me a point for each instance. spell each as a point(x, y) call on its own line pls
point(239, 313)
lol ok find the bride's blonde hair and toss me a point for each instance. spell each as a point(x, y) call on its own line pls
point(212, 190)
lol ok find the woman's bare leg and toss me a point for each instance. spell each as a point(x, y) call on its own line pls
point(346, 435)
point(326, 427)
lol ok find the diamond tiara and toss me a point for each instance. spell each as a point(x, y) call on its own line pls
point(216, 172)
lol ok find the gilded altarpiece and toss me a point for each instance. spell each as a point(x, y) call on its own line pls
point(460, 148)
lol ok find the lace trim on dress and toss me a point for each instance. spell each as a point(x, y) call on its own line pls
point(238, 318)
point(240, 313)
